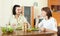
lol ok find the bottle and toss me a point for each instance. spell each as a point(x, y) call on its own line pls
point(25, 27)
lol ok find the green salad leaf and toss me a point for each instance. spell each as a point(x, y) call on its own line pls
point(34, 29)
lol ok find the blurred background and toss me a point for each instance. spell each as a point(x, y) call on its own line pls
point(6, 8)
point(30, 8)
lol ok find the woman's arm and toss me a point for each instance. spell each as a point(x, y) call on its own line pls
point(48, 30)
point(40, 26)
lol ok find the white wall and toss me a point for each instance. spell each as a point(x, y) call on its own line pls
point(6, 8)
point(41, 4)
point(0, 12)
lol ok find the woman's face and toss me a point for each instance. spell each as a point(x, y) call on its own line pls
point(43, 13)
point(18, 10)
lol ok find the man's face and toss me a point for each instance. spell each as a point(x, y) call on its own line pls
point(18, 10)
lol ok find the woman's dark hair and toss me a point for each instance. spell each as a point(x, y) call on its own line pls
point(14, 9)
point(48, 11)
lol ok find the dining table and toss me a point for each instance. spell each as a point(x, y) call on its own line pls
point(22, 33)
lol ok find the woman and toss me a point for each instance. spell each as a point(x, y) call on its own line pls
point(49, 23)
point(17, 19)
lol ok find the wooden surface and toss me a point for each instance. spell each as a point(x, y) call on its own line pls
point(32, 16)
point(53, 2)
point(21, 33)
point(56, 15)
